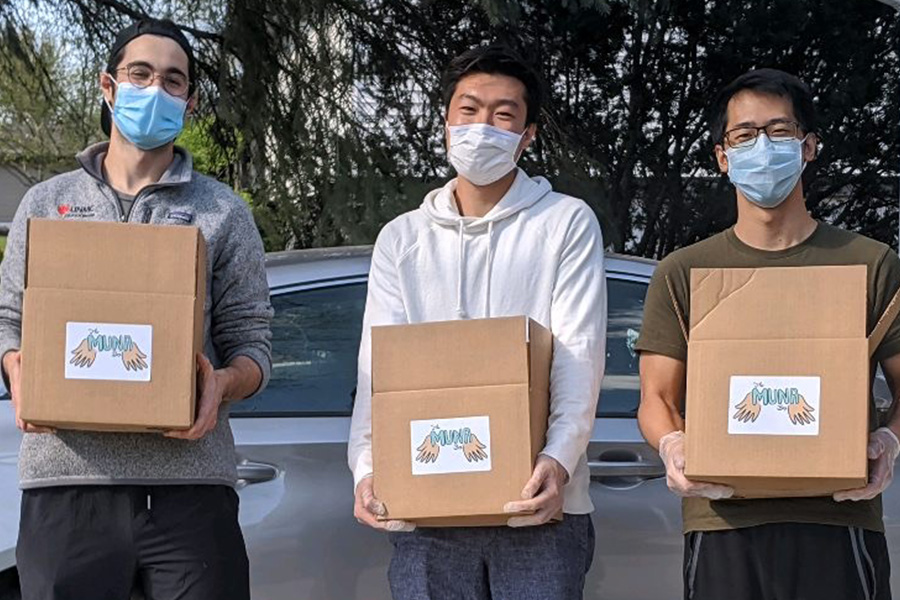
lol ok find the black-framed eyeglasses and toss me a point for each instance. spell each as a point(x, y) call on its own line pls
point(142, 76)
point(779, 131)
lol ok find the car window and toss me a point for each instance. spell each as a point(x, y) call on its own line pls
point(315, 340)
point(621, 390)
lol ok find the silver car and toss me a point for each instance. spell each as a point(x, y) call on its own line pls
point(295, 487)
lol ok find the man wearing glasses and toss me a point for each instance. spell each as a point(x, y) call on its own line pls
point(764, 128)
point(102, 510)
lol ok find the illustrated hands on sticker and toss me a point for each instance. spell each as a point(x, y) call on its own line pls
point(801, 413)
point(457, 439)
point(748, 409)
point(474, 449)
point(84, 355)
point(783, 399)
point(133, 358)
point(121, 346)
point(428, 451)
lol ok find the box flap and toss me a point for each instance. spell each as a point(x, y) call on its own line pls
point(450, 354)
point(884, 323)
point(124, 257)
point(827, 302)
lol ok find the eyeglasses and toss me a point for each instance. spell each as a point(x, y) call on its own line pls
point(143, 76)
point(780, 131)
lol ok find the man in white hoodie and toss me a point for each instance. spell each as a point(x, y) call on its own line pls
point(494, 242)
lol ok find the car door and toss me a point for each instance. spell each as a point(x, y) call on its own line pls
point(10, 495)
point(638, 552)
point(296, 490)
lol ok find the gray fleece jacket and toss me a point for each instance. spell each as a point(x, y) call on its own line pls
point(237, 317)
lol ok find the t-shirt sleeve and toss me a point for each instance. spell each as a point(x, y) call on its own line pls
point(661, 331)
point(887, 282)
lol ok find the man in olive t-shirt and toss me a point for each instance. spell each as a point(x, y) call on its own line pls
point(793, 548)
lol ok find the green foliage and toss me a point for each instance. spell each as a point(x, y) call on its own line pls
point(328, 114)
point(341, 109)
point(47, 113)
point(210, 157)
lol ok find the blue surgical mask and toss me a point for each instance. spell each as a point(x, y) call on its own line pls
point(767, 171)
point(147, 117)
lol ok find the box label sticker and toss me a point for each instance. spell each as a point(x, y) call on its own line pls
point(108, 351)
point(441, 446)
point(766, 405)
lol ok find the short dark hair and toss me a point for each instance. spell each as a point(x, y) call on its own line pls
point(496, 59)
point(765, 81)
point(146, 26)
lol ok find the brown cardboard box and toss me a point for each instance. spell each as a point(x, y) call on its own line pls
point(446, 391)
point(112, 321)
point(778, 379)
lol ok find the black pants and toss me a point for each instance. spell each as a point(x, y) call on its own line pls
point(180, 542)
point(787, 561)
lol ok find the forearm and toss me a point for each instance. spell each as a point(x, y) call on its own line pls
point(657, 418)
point(662, 395)
point(240, 379)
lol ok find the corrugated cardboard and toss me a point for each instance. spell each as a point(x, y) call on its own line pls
point(778, 379)
point(489, 373)
point(115, 277)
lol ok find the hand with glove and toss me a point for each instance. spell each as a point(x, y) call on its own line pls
point(367, 508)
point(671, 450)
point(883, 450)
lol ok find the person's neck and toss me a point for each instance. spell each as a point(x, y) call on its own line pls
point(478, 200)
point(128, 169)
point(772, 229)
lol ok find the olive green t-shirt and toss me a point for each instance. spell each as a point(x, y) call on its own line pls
point(662, 334)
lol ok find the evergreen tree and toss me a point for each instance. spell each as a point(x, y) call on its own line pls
point(331, 117)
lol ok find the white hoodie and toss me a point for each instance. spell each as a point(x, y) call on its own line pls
point(536, 253)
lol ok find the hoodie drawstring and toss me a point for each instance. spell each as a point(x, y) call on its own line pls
point(487, 271)
point(460, 311)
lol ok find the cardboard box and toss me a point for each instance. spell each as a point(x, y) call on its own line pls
point(459, 414)
point(112, 322)
point(778, 379)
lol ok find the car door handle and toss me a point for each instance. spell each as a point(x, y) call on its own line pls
point(254, 472)
point(635, 468)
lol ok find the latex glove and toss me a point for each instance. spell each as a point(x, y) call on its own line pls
point(367, 508)
point(542, 497)
point(671, 450)
point(883, 450)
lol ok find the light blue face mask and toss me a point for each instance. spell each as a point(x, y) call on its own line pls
point(147, 117)
point(767, 171)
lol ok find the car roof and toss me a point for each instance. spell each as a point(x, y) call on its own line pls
point(314, 265)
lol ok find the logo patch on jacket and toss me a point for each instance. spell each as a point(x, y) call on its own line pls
point(67, 211)
point(180, 215)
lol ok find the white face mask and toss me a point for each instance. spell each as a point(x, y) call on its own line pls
point(482, 153)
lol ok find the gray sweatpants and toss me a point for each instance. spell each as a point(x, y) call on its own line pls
point(493, 563)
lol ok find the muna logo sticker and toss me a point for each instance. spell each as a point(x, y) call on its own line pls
point(441, 446)
point(765, 405)
point(108, 351)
